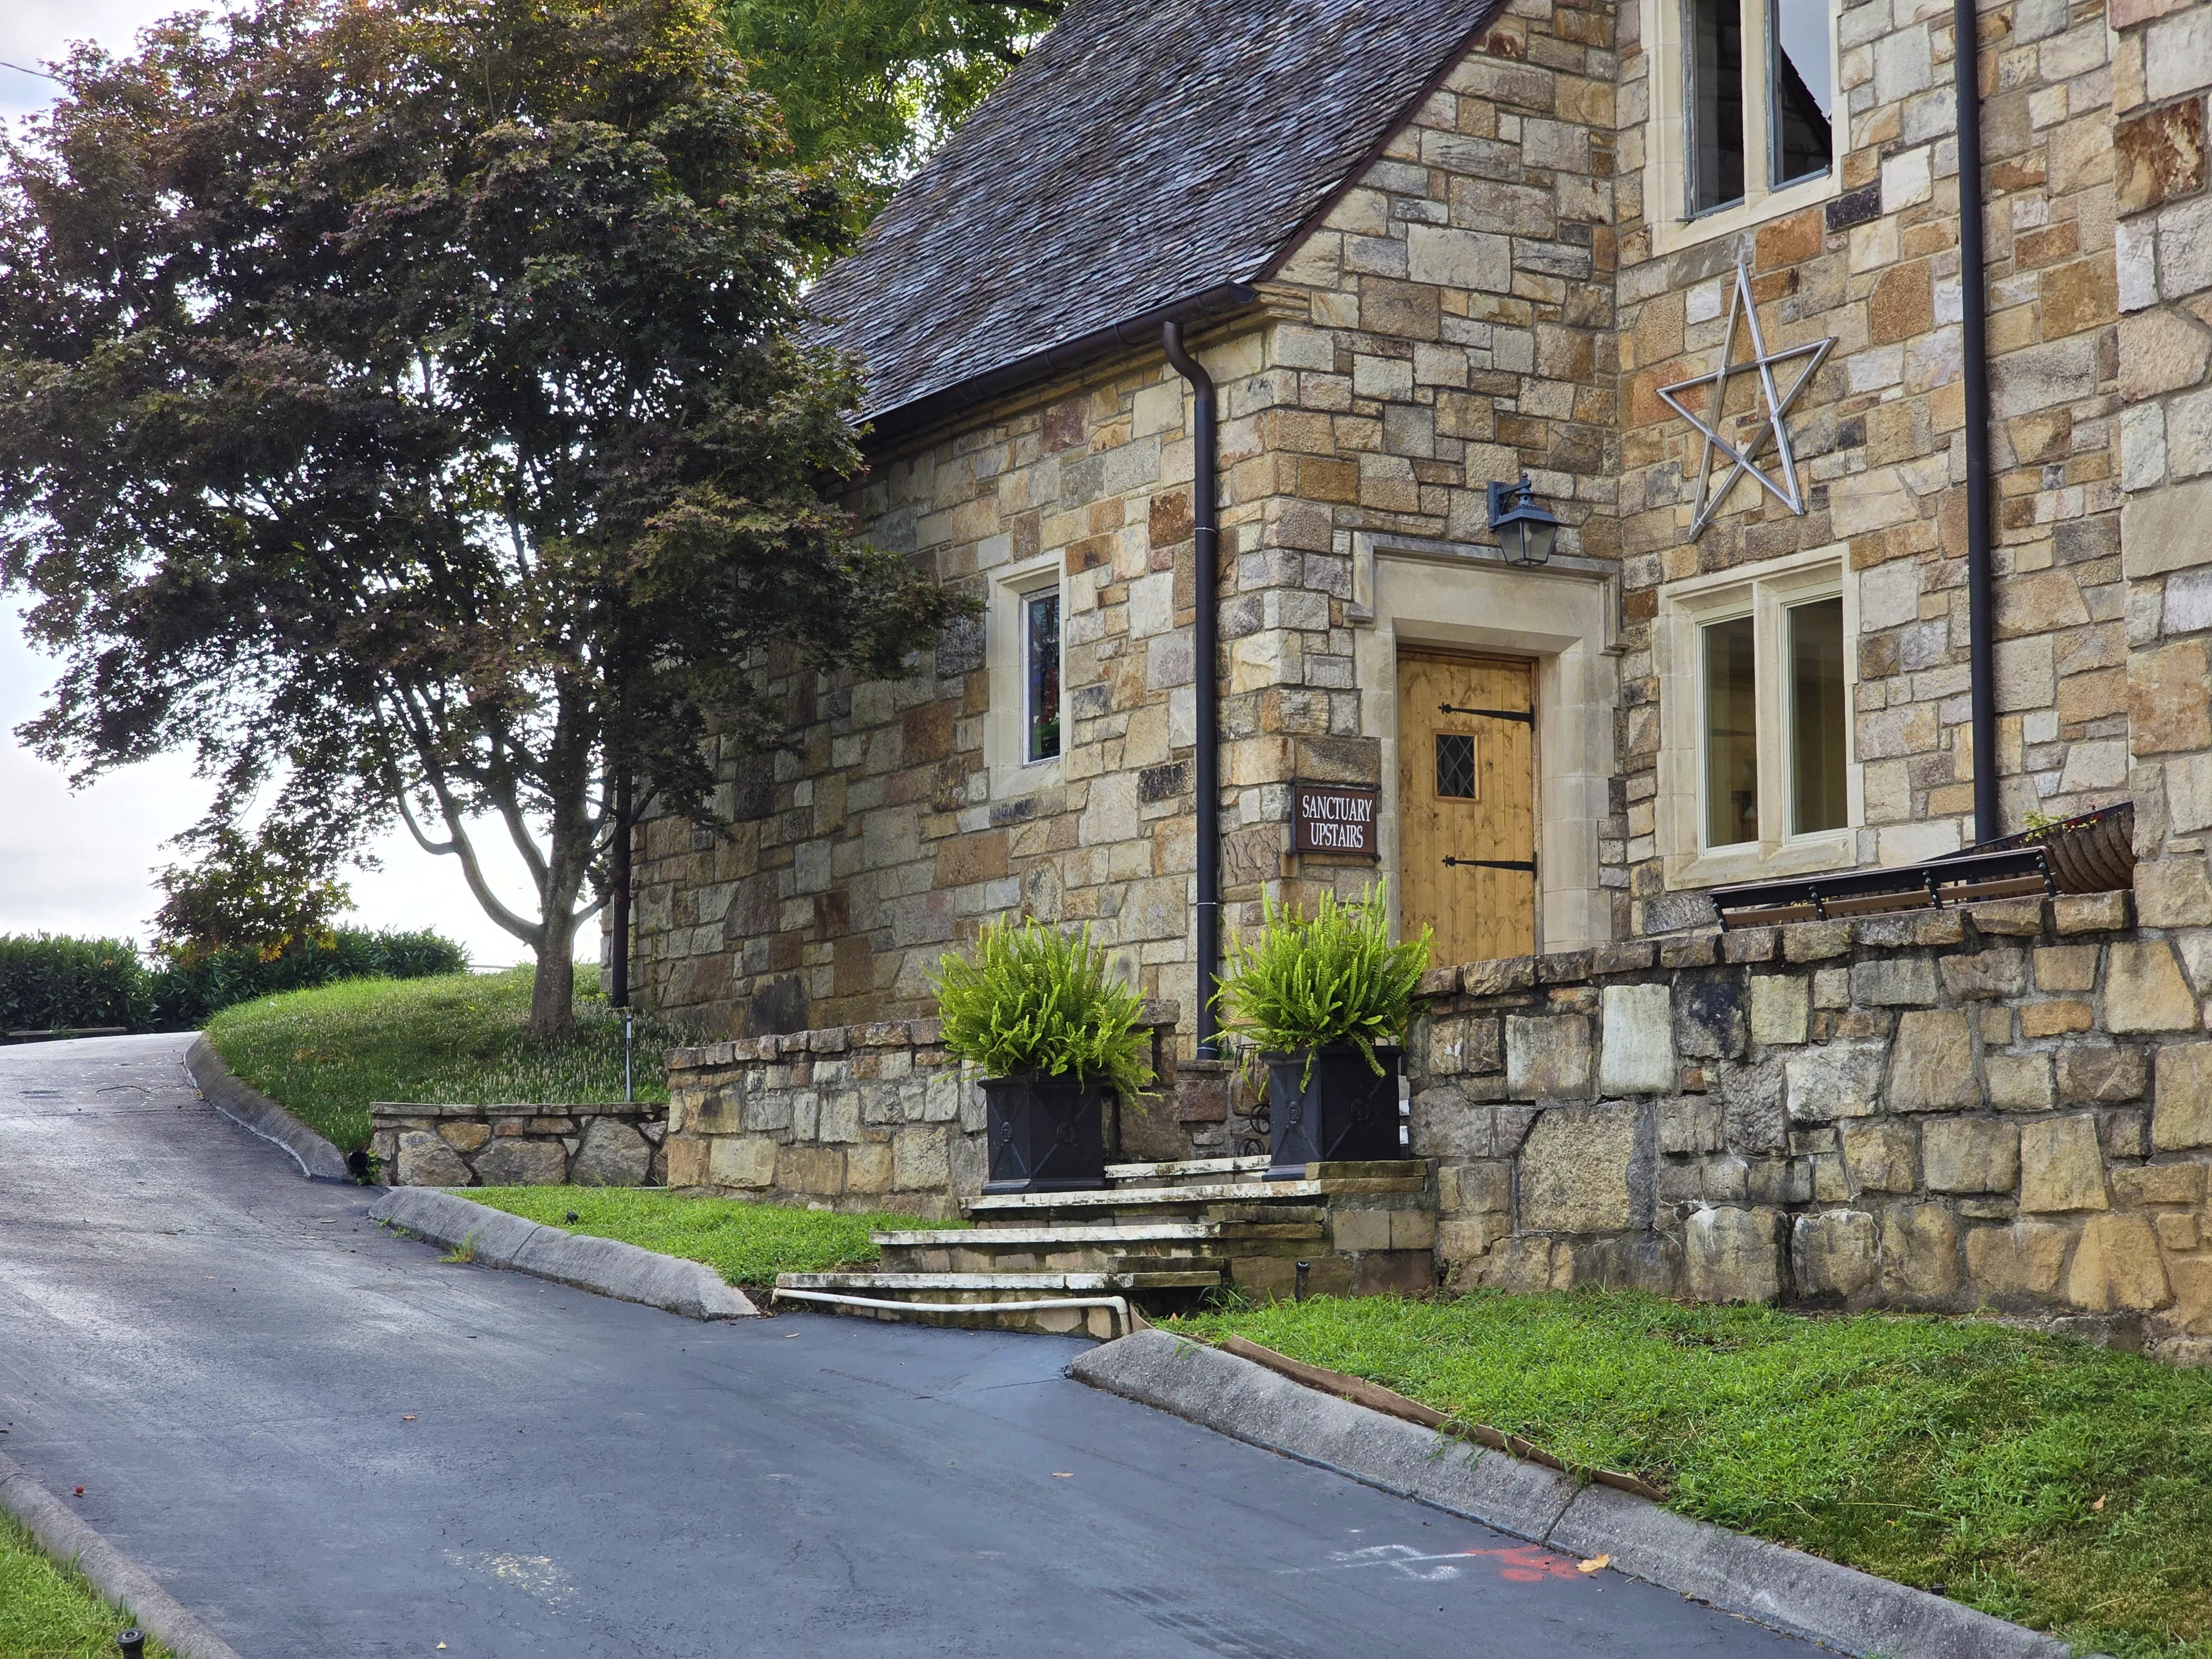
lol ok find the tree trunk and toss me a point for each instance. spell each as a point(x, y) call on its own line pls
point(553, 991)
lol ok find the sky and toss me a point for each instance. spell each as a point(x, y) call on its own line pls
point(82, 861)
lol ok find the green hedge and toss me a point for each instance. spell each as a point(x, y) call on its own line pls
point(51, 983)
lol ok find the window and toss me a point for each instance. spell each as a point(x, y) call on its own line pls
point(1756, 770)
point(1455, 766)
point(1743, 98)
point(1041, 676)
point(1026, 643)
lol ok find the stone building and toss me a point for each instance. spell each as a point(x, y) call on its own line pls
point(1694, 268)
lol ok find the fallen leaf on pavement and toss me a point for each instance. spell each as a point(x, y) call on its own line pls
point(409, 1417)
point(2099, 1504)
point(1063, 1474)
point(1595, 1563)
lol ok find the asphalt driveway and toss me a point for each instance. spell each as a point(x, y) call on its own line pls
point(323, 1440)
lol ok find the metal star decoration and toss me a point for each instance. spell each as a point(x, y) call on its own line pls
point(1773, 425)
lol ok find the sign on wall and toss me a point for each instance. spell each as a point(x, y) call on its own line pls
point(1335, 817)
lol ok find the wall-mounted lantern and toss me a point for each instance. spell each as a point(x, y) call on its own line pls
point(1525, 531)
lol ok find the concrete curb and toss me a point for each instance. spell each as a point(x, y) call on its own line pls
point(113, 1574)
point(1785, 1590)
point(606, 1266)
point(318, 1159)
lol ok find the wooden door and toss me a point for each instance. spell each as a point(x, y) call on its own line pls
point(1466, 804)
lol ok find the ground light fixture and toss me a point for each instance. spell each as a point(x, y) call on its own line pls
point(1525, 531)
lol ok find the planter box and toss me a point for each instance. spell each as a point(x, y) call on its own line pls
point(1047, 1135)
point(1342, 1112)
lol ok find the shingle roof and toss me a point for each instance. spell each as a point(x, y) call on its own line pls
point(1146, 152)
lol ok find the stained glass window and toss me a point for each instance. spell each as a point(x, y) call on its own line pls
point(1041, 673)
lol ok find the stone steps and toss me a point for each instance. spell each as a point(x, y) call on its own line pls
point(979, 1294)
point(1187, 1172)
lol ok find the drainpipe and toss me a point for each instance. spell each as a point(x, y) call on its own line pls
point(1981, 602)
point(618, 902)
point(1206, 519)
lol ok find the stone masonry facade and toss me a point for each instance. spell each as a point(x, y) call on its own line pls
point(2007, 1108)
point(1484, 298)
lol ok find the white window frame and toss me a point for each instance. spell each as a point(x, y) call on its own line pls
point(1006, 654)
point(1666, 163)
point(1765, 594)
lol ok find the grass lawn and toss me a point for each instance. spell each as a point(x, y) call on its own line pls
point(746, 1243)
point(47, 1611)
point(326, 1054)
point(2047, 1482)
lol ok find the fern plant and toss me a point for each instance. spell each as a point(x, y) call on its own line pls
point(1332, 978)
point(1036, 998)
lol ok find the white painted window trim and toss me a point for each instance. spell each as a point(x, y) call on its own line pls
point(1005, 727)
point(1666, 166)
point(1765, 593)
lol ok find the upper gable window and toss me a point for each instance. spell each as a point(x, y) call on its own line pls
point(1743, 93)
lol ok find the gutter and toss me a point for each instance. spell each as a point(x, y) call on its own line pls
point(1142, 329)
point(1981, 601)
point(1206, 518)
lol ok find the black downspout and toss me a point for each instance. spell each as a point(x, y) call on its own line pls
point(618, 901)
point(1981, 602)
point(1205, 520)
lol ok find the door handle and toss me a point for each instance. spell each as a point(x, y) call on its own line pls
point(1529, 865)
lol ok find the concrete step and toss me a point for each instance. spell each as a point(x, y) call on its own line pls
point(1185, 1172)
point(1104, 1233)
point(972, 1300)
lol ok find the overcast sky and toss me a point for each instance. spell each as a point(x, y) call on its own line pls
point(82, 863)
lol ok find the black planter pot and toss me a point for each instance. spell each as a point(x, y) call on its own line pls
point(1047, 1135)
point(1341, 1113)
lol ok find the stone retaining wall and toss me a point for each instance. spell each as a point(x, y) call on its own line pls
point(515, 1145)
point(2010, 1107)
point(861, 1117)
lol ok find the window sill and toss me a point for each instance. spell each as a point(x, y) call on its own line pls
point(1027, 778)
point(1669, 235)
point(1800, 855)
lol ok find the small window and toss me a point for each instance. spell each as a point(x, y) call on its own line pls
point(1817, 717)
point(1455, 766)
point(1041, 675)
point(1713, 68)
point(1800, 89)
point(1731, 736)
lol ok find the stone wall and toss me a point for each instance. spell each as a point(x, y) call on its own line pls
point(863, 1117)
point(2009, 1108)
point(513, 1145)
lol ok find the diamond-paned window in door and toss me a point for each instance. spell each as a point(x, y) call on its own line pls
point(1041, 675)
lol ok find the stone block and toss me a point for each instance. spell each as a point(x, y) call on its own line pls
point(2174, 892)
point(2090, 913)
point(2009, 918)
point(1734, 1256)
point(1995, 972)
point(1413, 1230)
point(816, 1171)
point(1637, 1054)
point(2018, 1083)
point(868, 1167)
point(2062, 1166)
point(1815, 941)
point(1883, 1155)
point(2181, 1106)
point(1919, 1252)
point(1547, 1057)
point(1690, 1125)
point(2101, 1074)
point(2066, 968)
point(2022, 1260)
point(1969, 1155)
point(523, 1163)
point(2160, 1183)
point(2177, 1233)
point(2144, 990)
point(920, 1162)
point(425, 1160)
point(1742, 945)
point(464, 1137)
point(1894, 982)
point(1836, 1252)
point(2045, 1020)
point(1840, 1080)
point(1780, 1009)
point(2123, 1132)
point(2117, 1267)
point(1498, 978)
point(1709, 1014)
point(743, 1161)
point(1932, 1062)
point(2167, 710)
point(1359, 1229)
point(613, 1154)
point(1578, 1170)
point(687, 1162)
